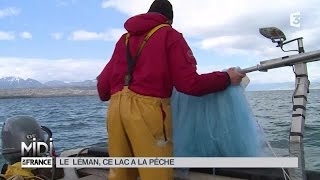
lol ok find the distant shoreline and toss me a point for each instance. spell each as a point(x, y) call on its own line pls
point(69, 92)
point(47, 92)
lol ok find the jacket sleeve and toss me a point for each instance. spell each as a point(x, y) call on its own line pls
point(103, 84)
point(104, 80)
point(184, 72)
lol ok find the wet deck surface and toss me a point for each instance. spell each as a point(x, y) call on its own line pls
point(100, 174)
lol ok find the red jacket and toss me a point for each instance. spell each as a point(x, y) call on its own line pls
point(166, 61)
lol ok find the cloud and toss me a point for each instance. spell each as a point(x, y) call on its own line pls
point(65, 2)
point(12, 36)
point(10, 11)
point(51, 69)
point(6, 36)
point(311, 36)
point(25, 35)
point(83, 35)
point(56, 35)
point(232, 26)
point(85, 69)
point(127, 6)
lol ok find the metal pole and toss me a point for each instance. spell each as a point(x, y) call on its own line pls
point(296, 148)
point(285, 61)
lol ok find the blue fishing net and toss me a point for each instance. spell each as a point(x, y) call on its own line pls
point(215, 125)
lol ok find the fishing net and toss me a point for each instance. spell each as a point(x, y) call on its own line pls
point(215, 125)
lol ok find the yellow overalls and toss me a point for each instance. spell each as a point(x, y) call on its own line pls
point(139, 126)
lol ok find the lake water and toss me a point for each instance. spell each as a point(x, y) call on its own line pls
point(80, 121)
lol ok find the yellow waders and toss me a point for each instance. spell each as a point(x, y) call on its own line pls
point(139, 126)
point(16, 170)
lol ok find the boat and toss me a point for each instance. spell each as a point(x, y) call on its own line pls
point(296, 133)
point(295, 148)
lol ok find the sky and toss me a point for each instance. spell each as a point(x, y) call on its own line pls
point(72, 40)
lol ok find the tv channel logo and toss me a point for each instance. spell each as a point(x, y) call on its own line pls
point(37, 148)
point(295, 19)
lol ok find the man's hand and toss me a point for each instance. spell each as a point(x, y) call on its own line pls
point(235, 77)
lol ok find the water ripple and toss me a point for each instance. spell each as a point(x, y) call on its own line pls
point(81, 121)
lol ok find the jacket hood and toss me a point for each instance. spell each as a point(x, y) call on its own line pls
point(143, 23)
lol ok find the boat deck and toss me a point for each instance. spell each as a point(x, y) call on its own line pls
point(102, 174)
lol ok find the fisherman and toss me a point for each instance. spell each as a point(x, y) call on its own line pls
point(146, 64)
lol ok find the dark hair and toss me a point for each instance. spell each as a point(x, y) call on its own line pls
point(163, 7)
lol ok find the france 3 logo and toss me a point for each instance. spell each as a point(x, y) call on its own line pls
point(295, 19)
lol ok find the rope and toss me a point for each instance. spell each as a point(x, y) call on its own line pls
point(285, 174)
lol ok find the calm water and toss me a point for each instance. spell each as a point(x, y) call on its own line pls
point(80, 121)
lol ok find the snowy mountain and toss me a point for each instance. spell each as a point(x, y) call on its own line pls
point(16, 82)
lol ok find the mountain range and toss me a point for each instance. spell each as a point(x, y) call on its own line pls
point(20, 83)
